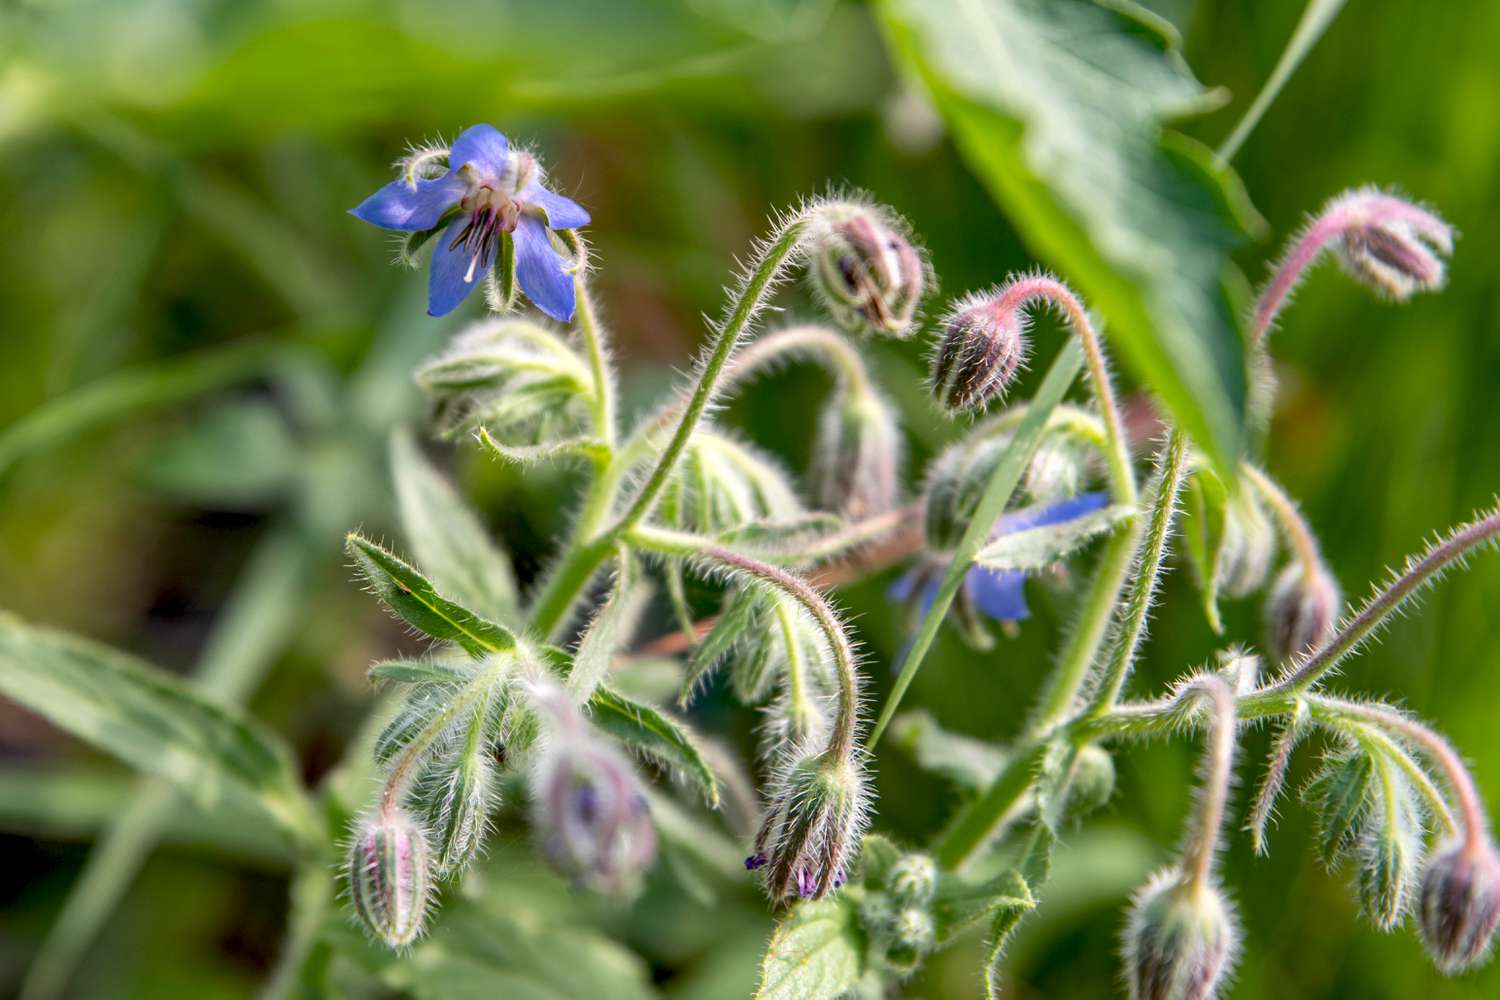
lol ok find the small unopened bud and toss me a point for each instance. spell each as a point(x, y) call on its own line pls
point(1059, 469)
point(1246, 546)
point(1301, 611)
point(955, 481)
point(389, 878)
point(983, 347)
point(857, 459)
point(867, 272)
point(588, 809)
point(1460, 904)
point(1180, 940)
point(913, 879)
point(1092, 782)
point(912, 937)
point(816, 816)
point(1388, 243)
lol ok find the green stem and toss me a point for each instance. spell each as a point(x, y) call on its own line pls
point(587, 320)
point(996, 495)
point(1315, 20)
point(1147, 574)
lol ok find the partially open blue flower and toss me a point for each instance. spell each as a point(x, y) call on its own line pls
point(498, 195)
point(999, 595)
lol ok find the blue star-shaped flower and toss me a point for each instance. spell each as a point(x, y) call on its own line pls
point(998, 594)
point(498, 194)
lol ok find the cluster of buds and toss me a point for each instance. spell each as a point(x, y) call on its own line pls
point(816, 816)
point(390, 878)
point(866, 270)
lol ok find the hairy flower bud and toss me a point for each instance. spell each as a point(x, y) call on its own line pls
point(389, 877)
point(1180, 940)
point(955, 481)
point(815, 818)
point(913, 879)
point(1059, 469)
point(588, 809)
point(867, 273)
point(1460, 904)
point(983, 347)
point(1246, 546)
point(912, 936)
point(857, 457)
point(1301, 610)
point(1092, 782)
point(1388, 243)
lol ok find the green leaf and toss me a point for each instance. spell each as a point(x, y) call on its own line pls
point(419, 672)
point(1203, 533)
point(153, 722)
point(608, 633)
point(1059, 106)
point(1040, 547)
point(447, 538)
point(653, 733)
point(816, 953)
point(1341, 795)
point(410, 595)
point(959, 902)
point(877, 856)
point(969, 763)
point(232, 455)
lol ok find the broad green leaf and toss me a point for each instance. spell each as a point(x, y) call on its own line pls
point(816, 953)
point(411, 596)
point(151, 721)
point(447, 539)
point(1059, 107)
point(608, 633)
point(969, 763)
point(1040, 547)
point(651, 732)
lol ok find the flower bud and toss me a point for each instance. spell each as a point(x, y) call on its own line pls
point(389, 879)
point(955, 481)
point(1460, 904)
point(857, 457)
point(1301, 611)
point(1092, 783)
point(913, 879)
point(866, 272)
point(1059, 469)
point(1390, 244)
point(588, 809)
point(1246, 546)
point(1180, 940)
point(912, 936)
point(815, 817)
point(982, 348)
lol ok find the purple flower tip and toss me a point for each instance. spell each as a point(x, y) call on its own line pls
point(755, 862)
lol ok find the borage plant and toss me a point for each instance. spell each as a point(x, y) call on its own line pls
point(523, 692)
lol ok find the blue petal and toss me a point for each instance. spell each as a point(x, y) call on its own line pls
point(399, 205)
point(999, 594)
point(481, 145)
point(1057, 513)
point(562, 213)
point(451, 280)
point(542, 271)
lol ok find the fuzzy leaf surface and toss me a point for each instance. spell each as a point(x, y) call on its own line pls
point(816, 953)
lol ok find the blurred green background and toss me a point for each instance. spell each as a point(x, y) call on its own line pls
point(204, 354)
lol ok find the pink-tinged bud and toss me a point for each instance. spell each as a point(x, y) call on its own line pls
point(866, 271)
point(1460, 905)
point(1389, 244)
point(816, 816)
point(1180, 940)
point(984, 344)
point(1301, 611)
point(390, 882)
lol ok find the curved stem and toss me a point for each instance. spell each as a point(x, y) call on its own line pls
point(752, 298)
point(1218, 763)
point(1293, 524)
point(1173, 465)
point(808, 339)
point(1419, 573)
point(847, 719)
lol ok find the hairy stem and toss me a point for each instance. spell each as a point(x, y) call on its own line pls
point(1218, 764)
point(1293, 524)
point(587, 320)
point(1148, 563)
